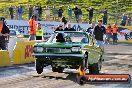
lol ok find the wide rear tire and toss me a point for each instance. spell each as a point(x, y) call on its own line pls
point(95, 68)
point(81, 80)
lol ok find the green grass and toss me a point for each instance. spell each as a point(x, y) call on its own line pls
point(124, 7)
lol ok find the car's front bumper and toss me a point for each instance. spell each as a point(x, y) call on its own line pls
point(58, 55)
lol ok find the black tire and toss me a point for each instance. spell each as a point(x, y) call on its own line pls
point(95, 68)
point(81, 80)
point(39, 66)
point(57, 69)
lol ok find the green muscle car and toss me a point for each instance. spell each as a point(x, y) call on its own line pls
point(66, 49)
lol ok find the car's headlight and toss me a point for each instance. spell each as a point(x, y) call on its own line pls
point(38, 49)
point(76, 49)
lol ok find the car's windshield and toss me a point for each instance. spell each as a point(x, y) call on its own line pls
point(73, 37)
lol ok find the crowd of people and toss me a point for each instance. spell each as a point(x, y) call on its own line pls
point(102, 34)
point(126, 20)
point(17, 12)
point(36, 32)
point(98, 31)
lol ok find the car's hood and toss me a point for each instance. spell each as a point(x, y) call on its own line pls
point(60, 45)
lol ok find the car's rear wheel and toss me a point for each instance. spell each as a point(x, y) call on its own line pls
point(95, 68)
point(39, 66)
point(57, 69)
point(81, 80)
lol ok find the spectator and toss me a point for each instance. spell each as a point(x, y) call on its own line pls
point(105, 16)
point(69, 14)
point(69, 28)
point(39, 33)
point(76, 14)
point(16, 13)
point(32, 28)
point(47, 12)
point(60, 11)
point(55, 12)
point(40, 13)
point(90, 10)
point(35, 9)
point(80, 14)
point(99, 32)
point(64, 21)
point(20, 11)
point(30, 9)
point(114, 31)
point(59, 28)
point(129, 20)
point(91, 29)
point(124, 19)
point(11, 12)
point(4, 34)
point(108, 34)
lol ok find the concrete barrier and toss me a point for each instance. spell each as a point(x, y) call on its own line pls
point(12, 43)
point(4, 58)
point(22, 52)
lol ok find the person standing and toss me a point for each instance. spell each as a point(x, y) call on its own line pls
point(11, 12)
point(105, 16)
point(40, 13)
point(35, 9)
point(114, 31)
point(129, 20)
point(124, 19)
point(69, 14)
point(55, 12)
point(32, 28)
point(47, 12)
point(16, 13)
point(20, 11)
point(39, 33)
point(80, 14)
point(60, 28)
point(60, 11)
point(30, 9)
point(64, 21)
point(76, 12)
point(108, 34)
point(91, 29)
point(90, 10)
point(69, 28)
point(99, 32)
point(4, 34)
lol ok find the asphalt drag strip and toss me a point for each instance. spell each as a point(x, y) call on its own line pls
point(117, 60)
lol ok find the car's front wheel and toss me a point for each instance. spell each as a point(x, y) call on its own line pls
point(39, 66)
point(57, 69)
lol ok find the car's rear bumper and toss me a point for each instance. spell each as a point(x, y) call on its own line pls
point(58, 55)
